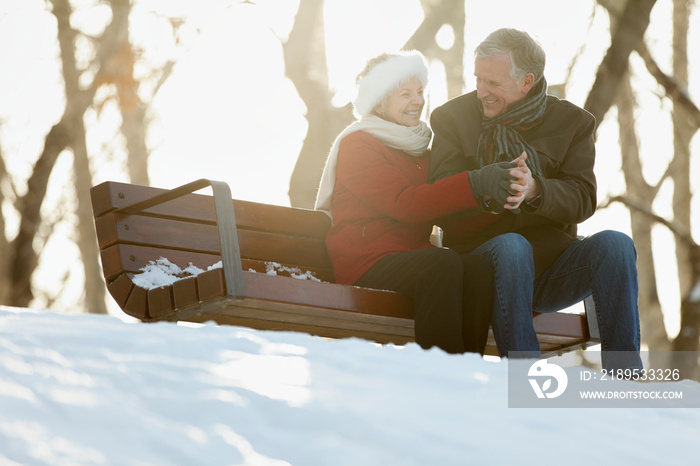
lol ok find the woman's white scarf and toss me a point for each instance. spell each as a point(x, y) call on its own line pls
point(413, 140)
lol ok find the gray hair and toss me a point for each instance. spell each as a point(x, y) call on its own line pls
point(526, 54)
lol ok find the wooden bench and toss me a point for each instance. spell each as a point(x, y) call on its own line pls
point(138, 224)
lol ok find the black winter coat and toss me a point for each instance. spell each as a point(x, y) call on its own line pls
point(565, 144)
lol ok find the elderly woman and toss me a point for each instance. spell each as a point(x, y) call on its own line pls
point(375, 189)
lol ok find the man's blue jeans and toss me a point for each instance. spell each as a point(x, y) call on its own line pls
point(603, 265)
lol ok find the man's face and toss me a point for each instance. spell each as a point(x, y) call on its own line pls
point(496, 90)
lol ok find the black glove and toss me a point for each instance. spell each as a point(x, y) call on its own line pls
point(493, 180)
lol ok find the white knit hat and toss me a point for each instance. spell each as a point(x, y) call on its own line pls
point(385, 77)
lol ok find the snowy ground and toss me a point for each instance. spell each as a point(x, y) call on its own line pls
point(93, 390)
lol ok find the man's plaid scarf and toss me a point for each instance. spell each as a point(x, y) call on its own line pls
point(500, 139)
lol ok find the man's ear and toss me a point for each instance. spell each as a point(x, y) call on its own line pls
point(527, 82)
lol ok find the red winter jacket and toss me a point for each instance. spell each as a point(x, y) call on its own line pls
point(382, 205)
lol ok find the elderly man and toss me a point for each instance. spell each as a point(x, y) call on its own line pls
point(530, 160)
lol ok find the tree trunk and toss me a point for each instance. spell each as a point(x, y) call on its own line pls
point(687, 255)
point(94, 286)
point(305, 60)
point(68, 132)
point(60, 136)
point(651, 317)
point(87, 243)
point(683, 131)
point(120, 70)
point(686, 120)
point(5, 283)
point(687, 343)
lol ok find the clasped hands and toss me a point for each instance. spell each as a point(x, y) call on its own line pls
point(505, 185)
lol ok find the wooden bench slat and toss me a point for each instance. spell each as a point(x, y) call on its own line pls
point(137, 303)
point(211, 285)
point(373, 333)
point(110, 196)
point(130, 258)
point(120, 289)
point(139, 229)
point(315, 319)
point(160, 302)
point(185, 293)
point(328, 295)
point(565, 326)
point(267, 291)
point(299, 251)
point(204, 239)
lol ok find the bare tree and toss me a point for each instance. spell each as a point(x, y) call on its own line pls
point(438, 14)
point(651, 316)
point(305, 60)
point(627, 34)
point(119, 72)
point(23, 258)
point(686, 122)
point(640, 195)
point(113, 47)
point(112, 65)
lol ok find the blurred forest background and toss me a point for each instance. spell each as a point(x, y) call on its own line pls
point(253, 92)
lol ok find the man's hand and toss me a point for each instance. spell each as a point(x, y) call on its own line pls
point(525, 188)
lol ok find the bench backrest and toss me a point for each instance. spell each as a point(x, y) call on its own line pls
point(184, 231)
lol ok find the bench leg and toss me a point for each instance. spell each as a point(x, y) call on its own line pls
point(592, 318)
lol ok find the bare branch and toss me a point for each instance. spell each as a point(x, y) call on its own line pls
point(681, 232)
point(436, 15)
point(674, 89)
point(165, 73)
point(579, 52)
point(627, 35)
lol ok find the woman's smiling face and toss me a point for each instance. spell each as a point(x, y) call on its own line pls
point(405, 105)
